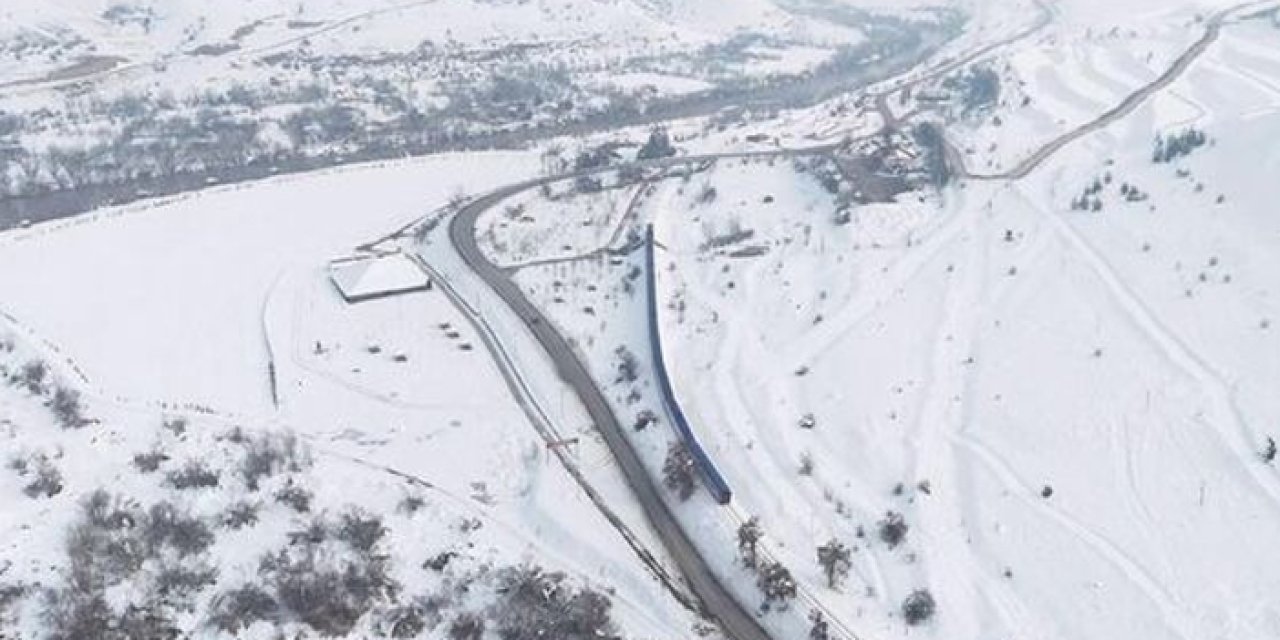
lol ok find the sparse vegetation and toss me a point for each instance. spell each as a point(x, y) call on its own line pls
point(238, 609)
point(167, 525)
point(819, 628)
point(268, 455)
point(296, 496)
point(678, 471)
point(193, 475)
point(43, 479)
point(918, 608)
point(329, 582)
point(1174, 146)
point(836, 560)
point(749, 535)
point(893, 529)
point(240, 514)
point(467, 626)
point(535, 605)
point(777, 585)
point(150, 461)
point(32, 376)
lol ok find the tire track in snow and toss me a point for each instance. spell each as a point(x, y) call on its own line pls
point(1224, 413)
point(742, 335)
point(943, 414)
point(881, 290)
point(1172, 608)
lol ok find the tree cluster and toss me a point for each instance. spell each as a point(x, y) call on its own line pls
point(1174, 146)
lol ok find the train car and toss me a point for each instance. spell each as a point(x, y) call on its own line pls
point(711, 476)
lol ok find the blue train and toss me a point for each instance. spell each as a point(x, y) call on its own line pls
point(711, 477)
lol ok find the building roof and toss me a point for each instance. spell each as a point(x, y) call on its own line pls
point(364, 277)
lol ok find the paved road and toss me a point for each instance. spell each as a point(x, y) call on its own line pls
point(956, 159)
point(736, 621)
point(882, 106)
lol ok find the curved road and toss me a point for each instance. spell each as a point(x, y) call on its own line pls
point(1214, 29)
point(736, 621)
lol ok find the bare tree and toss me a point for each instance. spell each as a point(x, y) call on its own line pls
point(819, 628)
point(919, 607)
point(834, 557)
point(67, 408)
point(893, 529)
point(678, 471)
point(749, 535)
point(776, 583)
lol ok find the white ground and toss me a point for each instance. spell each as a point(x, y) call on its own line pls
point(990, 342)
point(1067, 357)
point(177, 304)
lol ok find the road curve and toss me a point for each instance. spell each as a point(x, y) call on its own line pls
point(1132, 101)
point(736, 621)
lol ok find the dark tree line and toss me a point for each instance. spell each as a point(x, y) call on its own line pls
point(1171, 147)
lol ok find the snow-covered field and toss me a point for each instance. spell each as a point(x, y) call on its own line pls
point(173, 308)
point(1069, 408)
point(1066, 407)
point(1086, 395)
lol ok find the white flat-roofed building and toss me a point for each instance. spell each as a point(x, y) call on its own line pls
point(367, 277)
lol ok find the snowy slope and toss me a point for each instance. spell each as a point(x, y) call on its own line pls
point(178, 306)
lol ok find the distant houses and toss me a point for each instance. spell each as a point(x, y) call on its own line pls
point(377, 275)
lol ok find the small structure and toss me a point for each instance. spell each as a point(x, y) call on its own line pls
point(379, 275)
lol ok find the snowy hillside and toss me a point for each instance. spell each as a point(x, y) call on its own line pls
point(973, 306)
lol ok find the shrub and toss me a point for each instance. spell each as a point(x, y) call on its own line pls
point(238, 609)
point(806, 464)
point(150, 461)
point(295, 496)
point(678, 471)
point(267, 456)
point(73, 615)
point(534, 605)
point(819, 628)
point(183, 581)
point(67, 408)
point(749, 534)
point(104, 547)
point(330, 598)
point(467, 626)
point(193, 475)
point(46, 479)
point(776, 584)
point(166, 525)
point(33, 376)
point(146, 621)
point(408, 622)
point(240, 515)
point(361, 531)
point(411, 504)
point(328, 590)
point(439, 561)
point(658, 145)
point(835, 559)
point(175, 425)
point(919, 607)
point(10, 594)
point(893, 529)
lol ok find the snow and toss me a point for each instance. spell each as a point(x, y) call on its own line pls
point(139, 307)
point(168, 262)
point(1066, 407)
point(368, 276)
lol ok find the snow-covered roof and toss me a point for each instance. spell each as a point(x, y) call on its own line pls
point(363, 277)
